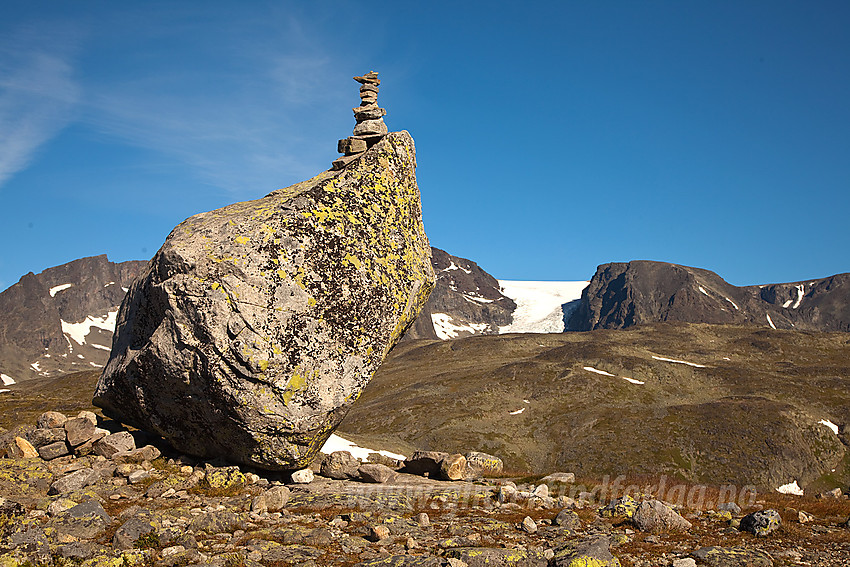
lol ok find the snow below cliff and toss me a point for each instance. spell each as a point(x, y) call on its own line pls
point(540, 305)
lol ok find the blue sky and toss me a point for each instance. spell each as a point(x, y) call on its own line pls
point(551, 136)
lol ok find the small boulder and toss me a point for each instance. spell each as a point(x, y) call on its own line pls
point(377, 473)
point(51, 419)
point(481, 464)
point(272, 500)
point(74, 481)
point(730, 507)
point(591, 551)
point(140, 455)
point(304, 476)
point(566, 518)
point(733, 557)
point(340, 465)
point(529, 525)
point(79, 430)
point(20, 448)
point(453, 467)
point(54, 450)
point(562, 477)
point(116, 443)
point(225, 479)
point(656, 517)
point(45, 436)
point(761, 523)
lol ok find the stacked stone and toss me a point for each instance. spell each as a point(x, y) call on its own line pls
point(370, 125)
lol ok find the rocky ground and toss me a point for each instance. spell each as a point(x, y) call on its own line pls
point(110, 503)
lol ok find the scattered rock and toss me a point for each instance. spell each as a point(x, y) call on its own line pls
point(74, 481)
point(79, 430)
point(340, 465)
point(733, 557)
point(624, 507)
point(729, 507)
point(761, 523)
point(497, 557)
point(373, 472)
point(684, 562)
point(51, 419)
point(834, 493)
point(566, 518)
point(655, 516)
point(121, 442)
point(225, 479)
point(590, 551)
point(563, 477)
point(140, 455)
point(272, 500)
point(528, 525)
point(303, 476)
point(424, 520)
point(54, 450)
point(379, 532)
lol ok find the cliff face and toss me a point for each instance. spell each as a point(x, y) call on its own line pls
point(621, 295)
point(61, 319)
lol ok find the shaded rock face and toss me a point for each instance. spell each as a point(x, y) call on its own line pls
point(621, 295)
point(466, 301)
point(256, 326)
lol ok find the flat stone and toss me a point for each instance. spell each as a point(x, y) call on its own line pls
point(482, 464)
point(733, 557)
point(140, 455)
point(351, 146)
point(370, 112)
point(368, 98)
point(370, 128)
point(589, 551)
point(54, 450)
point(498, 557)
point(74, 481)
point(45, 436)
point(343, 162)
point(79, 430)
point(369, 87)
point(370, 78)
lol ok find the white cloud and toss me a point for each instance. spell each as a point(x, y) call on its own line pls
point(38, 96)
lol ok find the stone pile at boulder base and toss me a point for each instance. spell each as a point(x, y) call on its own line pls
point(256, 326)
point(370, 127)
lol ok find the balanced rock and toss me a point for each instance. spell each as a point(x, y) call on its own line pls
point(256, 326)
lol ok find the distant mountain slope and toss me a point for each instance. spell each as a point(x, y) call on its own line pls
point(62, 319)
point(621, 295)
point(708, 403)
point(466, 301)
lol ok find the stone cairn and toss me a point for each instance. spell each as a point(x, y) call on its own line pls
point(370, 127)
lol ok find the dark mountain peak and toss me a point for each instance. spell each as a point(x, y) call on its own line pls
point(623, 294)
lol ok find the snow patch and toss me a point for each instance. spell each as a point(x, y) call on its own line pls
point(6, 379)
point(79, 331)
point(517, 412)
point(445, 329)
point(4, 390)
point(539, 304)
point(96, 365)
point(126, 289)
point(702, 289)
point(592, 369)
point(109, 284)
point(732, 302)
point(830, 425)
point(800, 293)
point(476, 298)
point(770, 321)
point(790, 488)
point(101, 347)
point(337, 443)
point(58, 288)
point(36, 366)
point(694, 364)
point(454, 266)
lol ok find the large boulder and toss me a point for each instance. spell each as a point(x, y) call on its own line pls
point(256, 326)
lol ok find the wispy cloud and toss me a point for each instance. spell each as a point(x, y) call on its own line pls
point(254, 119)
point(38, 96)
